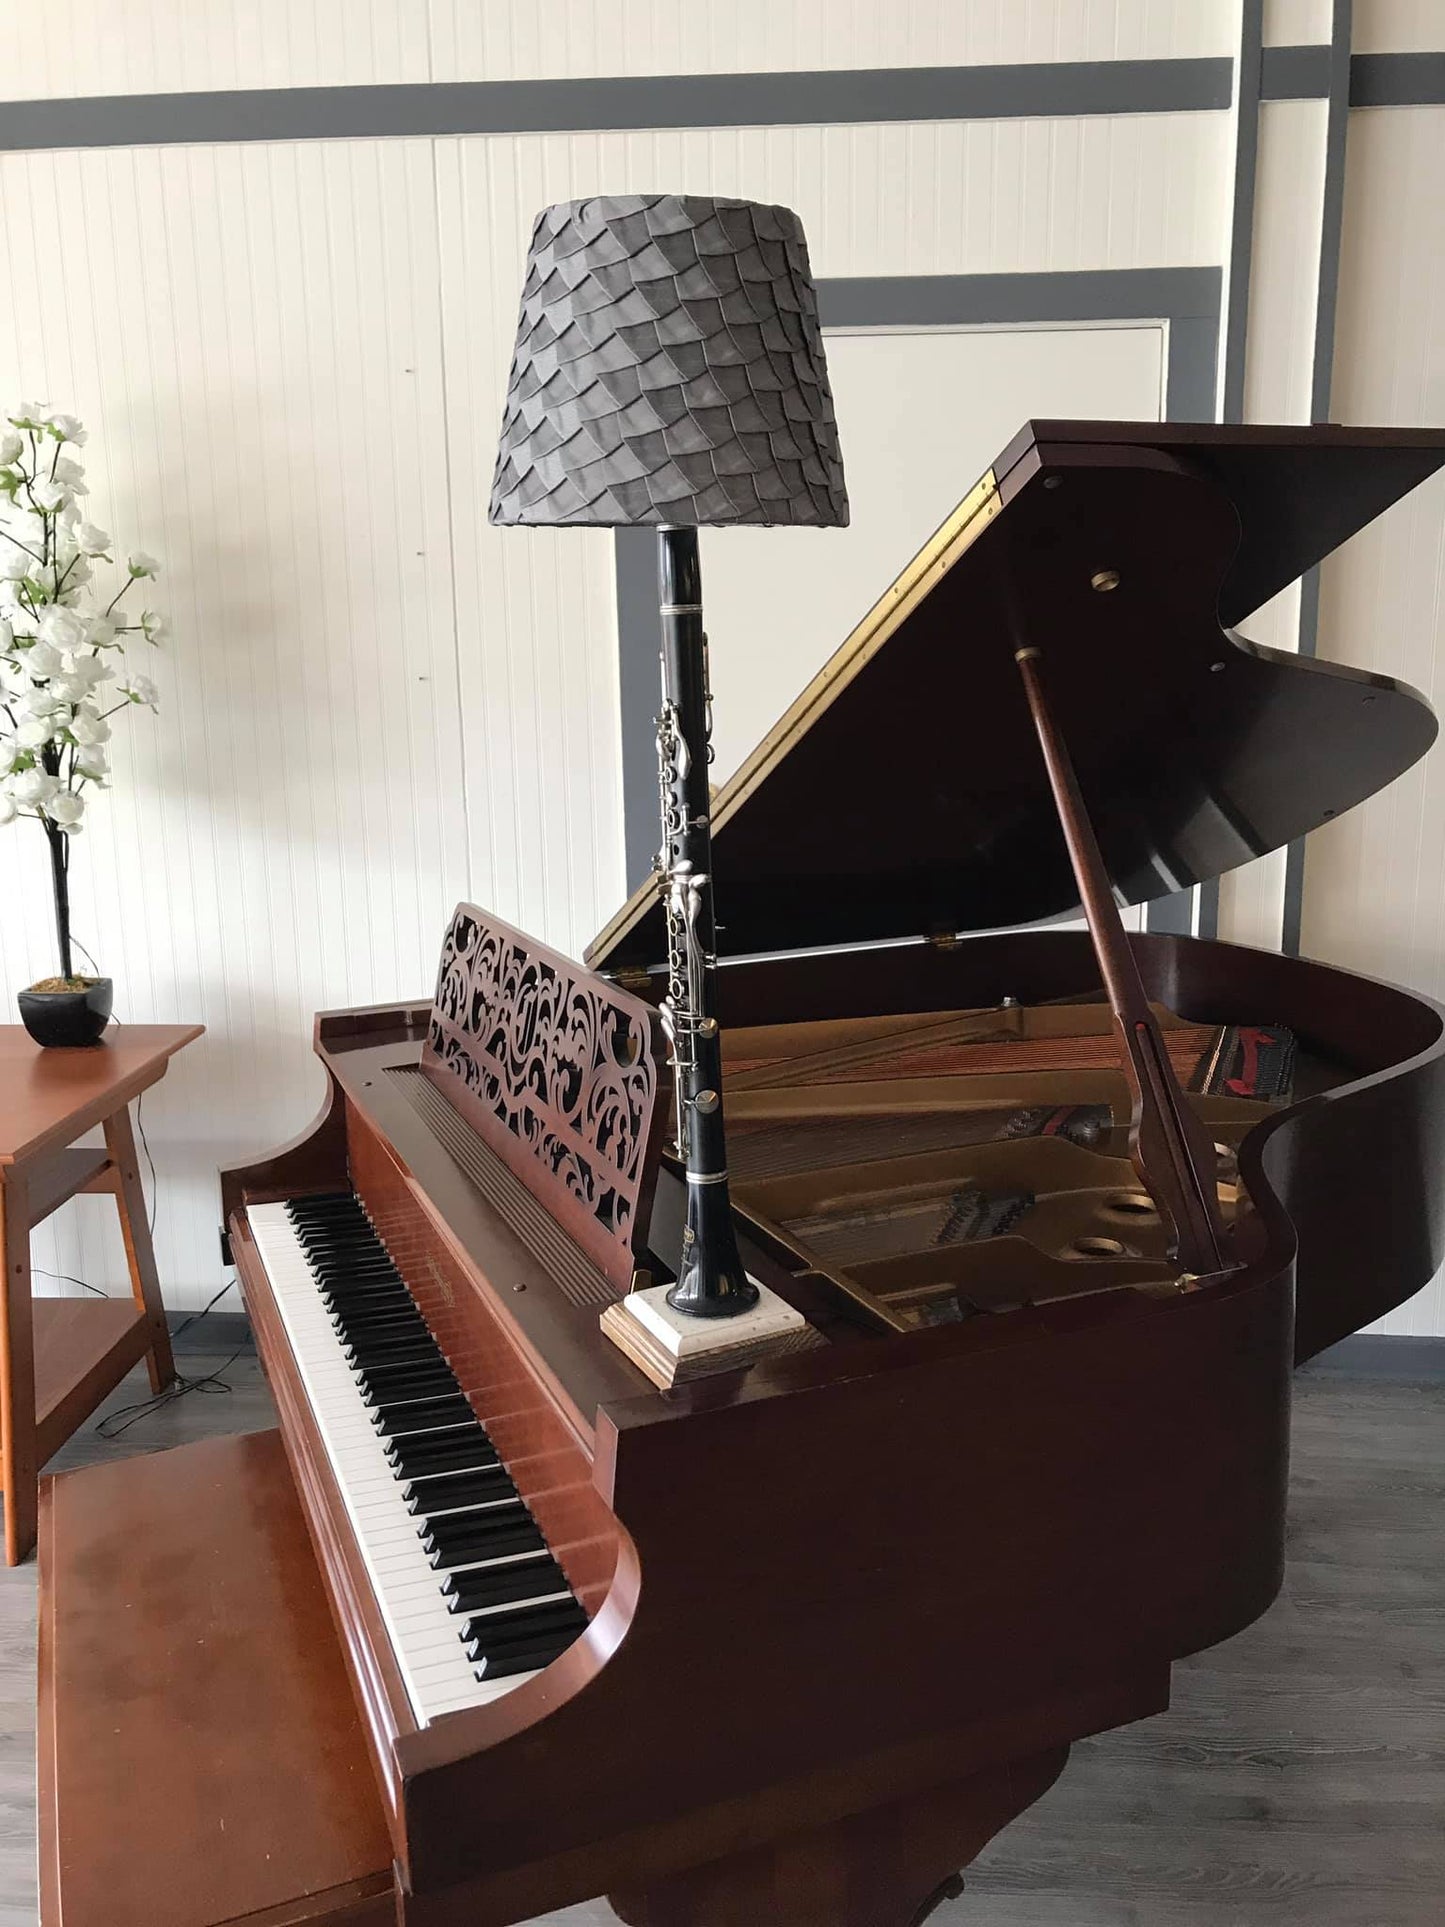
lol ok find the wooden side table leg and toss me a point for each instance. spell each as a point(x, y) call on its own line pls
point(17, 1371)
point(145, 1284)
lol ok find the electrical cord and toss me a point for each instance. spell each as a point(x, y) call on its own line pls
point(211, 1383)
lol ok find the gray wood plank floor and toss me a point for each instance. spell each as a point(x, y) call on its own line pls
point(1298, 1780)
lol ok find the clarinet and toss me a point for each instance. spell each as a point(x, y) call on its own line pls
point(711, 1281)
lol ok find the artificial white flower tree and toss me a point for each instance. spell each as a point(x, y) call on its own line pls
point(63, 667)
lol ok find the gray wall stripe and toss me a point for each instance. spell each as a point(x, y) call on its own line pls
point(1295, 73)
point(1326, 304)
point(1030, 90)
point(1187, 298)
point(987, 300)
point(1241, 231)
point(1033, 89)
point(1398, 80)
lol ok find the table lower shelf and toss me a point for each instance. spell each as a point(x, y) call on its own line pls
point(83, 1347)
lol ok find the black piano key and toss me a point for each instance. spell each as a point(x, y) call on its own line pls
point(452, 1491)
point(397, 1381)
point(448, 1542)
point(421, 1415)
point(552, 1622)
point(531, 1661)
point(455, 1451)
point(391, 1324)
point(358, 1242)
point(382, 1386)
point(475, 1588)
point(360, 1289)
point(348, 1274)
point(494, 1637)
point(406, 1350)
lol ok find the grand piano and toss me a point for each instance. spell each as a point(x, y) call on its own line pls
point(495, 1624)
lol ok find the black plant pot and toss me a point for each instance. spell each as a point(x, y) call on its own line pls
point(57, 1018)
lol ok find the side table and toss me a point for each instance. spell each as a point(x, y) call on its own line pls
point(60, 1356)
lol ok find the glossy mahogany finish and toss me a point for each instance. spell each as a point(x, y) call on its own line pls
point(1044, 1597)
point(948, 1551)
point(201, 1760)
point(1196, 750)
point(1352, 1167)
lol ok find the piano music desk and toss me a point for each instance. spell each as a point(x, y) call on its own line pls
point(60, 1356)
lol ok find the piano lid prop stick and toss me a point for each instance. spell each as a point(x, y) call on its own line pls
point(1170, 1148)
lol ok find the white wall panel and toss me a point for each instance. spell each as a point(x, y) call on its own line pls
point(1279, 367)
point(1297, 23)
point(780, 601)
point(69, 48)
point(536, 607)
point(1398, 26)
point(1375, 881)
point(933, 198)
point(520, 39)
point(253, 337)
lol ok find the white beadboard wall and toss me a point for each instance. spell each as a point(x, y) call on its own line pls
point(519, 39)
point(78, 47)
point(1279, 364)
point(1398, 26)
point(292, 358)
point(1296, 23)
point(1375, 880)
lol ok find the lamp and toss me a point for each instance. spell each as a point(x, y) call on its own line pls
point(669, 371)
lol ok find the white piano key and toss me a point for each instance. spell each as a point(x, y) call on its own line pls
point(425, 1634)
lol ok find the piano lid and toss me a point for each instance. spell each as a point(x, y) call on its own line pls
point(904, 794)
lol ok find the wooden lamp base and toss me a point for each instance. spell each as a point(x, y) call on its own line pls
point(673, 1348)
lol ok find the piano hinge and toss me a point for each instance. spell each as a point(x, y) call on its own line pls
point(631, 979)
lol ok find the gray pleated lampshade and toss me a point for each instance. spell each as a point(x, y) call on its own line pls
point(669, 369)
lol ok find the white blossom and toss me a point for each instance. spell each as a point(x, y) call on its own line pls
point(93, 764)
point(35, 732)
point(67, 428)
point(7, 807)
point(89, 669)
point(70, 475)
point(12, 447)
point(65, 808)
point(7, 636)
point(100, 631)
point(155, 628)
point(49, 496)
point(62, 628)
point(40, 700)
point(92, 541)
point(43, 658)
point(15, 564)
point(141, 689)
point(142, 564)
point(28, 414)
point(87, 727)
point(33, 788)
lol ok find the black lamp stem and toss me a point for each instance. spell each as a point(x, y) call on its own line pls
point(711, 1281)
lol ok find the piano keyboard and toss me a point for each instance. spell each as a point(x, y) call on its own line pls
point(472, 1599)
